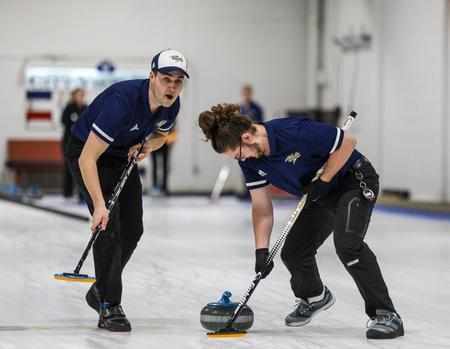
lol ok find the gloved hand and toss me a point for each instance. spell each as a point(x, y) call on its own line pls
point(260, 263)
point(314, 189)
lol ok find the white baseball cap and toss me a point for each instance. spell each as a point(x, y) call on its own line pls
point(169, 60)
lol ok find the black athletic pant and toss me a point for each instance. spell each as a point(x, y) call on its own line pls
point(115, 245)
point(67, 185)
point(68, 182)
point(347, 212)
point(160, 162)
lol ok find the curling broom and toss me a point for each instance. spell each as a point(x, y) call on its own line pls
point(76, 276)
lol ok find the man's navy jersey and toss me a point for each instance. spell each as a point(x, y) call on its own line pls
point(121, 116)
point(298, 148)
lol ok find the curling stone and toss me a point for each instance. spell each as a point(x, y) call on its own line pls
point(216, 315)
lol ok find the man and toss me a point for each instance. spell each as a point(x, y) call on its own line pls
point(248, 106)
point(287, 153)
point(103, 138)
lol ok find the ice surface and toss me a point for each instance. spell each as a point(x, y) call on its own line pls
point(190, 253)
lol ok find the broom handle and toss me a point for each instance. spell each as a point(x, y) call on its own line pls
point(348, 122)
point(112, 202)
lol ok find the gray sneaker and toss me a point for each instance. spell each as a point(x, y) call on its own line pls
point(304, 311)
point(385, 325)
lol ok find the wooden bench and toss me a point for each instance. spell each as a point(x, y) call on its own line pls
point(34, 155)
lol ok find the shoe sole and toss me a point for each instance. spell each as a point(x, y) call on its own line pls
point(125, 329)
point(298, 324)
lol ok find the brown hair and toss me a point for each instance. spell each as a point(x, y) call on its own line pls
point(224, 126)
point(75, 91)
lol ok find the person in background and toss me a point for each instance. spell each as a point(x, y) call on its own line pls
point(249, 107)
point(253, 110)
point(161, 165)
point(69, 116)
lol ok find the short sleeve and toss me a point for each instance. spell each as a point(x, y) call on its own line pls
point(253, 179)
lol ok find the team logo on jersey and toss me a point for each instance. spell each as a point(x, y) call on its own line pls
point(292, 157)
point(161, 123)
point(176, 58)
point(262, 173)
point(134, 128)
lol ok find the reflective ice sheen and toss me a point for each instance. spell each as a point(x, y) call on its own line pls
point(190, 253)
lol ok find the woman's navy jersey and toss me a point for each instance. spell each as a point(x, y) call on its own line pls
point(121, 116)
point(298, 148)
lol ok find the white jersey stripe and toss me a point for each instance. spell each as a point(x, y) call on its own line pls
point(102, 133)
point(252, 184)
point(165, 129)
point(336, 141)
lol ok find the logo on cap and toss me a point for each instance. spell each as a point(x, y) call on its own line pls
point(177, 58)
point(169, 60)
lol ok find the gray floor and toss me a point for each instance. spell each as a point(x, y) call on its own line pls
point(193, 251)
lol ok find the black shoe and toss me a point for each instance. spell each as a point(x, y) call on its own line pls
point(385, 325)
point(304, 311)
point(113, 319)
point(93, 298)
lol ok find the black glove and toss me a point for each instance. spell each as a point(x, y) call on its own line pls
point(260, 263)
point(314, 189)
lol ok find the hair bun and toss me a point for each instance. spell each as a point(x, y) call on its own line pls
point(223, 126)
point(208, 123)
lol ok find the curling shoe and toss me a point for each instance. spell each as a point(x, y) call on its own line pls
point(93, 298)
point(385, 325)
point(305, 311)
point(112, 318)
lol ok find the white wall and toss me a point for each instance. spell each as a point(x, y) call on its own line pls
point(227, 43)
point(401, 89)
point(414, 72)
point(446, 108)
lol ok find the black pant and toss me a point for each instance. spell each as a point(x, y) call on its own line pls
point(160, 161)
point(67, 184)
point(115, 245)
point(347, 212)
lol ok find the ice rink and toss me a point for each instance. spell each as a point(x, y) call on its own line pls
point(190, 253)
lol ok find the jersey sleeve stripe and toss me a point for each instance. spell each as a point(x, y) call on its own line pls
point(337, 140)
point(252, 184)
point(95, 127)
point(165, 129)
